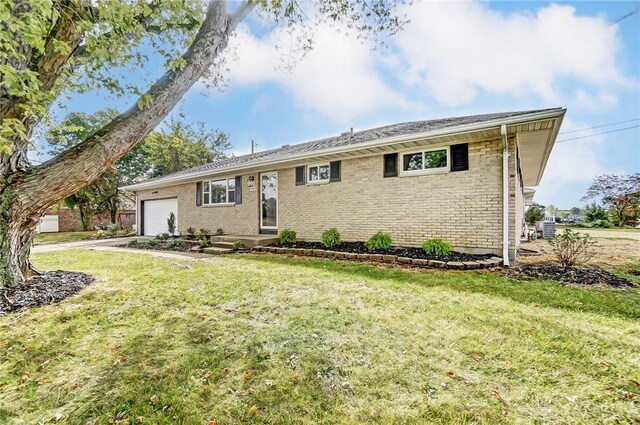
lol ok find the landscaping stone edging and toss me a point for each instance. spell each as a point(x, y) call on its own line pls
point(389, 259)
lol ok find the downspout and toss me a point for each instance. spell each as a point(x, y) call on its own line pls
point(505, 195)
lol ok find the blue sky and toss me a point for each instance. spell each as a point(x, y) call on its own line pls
point(454, 58)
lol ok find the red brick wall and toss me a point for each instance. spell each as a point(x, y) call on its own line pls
point(69, 220)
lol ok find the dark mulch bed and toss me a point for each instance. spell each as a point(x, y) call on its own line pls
point(158, 247)
point(48, 288)
point(593, 276)
point(360, 248)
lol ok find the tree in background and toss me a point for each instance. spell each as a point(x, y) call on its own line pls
point(182, 146)
point(534, 213)
point(620, 194)
point(594, 212)
point(575, 212)
point(552, 210)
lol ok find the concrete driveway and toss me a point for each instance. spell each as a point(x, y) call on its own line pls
point(112, 245)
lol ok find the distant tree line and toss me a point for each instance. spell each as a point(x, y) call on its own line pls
point(619, 204)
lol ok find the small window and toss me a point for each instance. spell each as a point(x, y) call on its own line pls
point(426, 161)
point(318, 173)
point(219, 192)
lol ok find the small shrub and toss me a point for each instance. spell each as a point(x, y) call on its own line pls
point(571, 248)
point(238, 245)
point(379, 242)
point(331, 238)
point(602, 223)
point(191, 232)
point(163, 236)
point(151, 243)
point(176, 243)
point(204, 232)
point(204, 243)
point(171, 223)
point(133, 242)
point(219, 231)
point(101, 233)
point(436, 246)
point(287, 236)
point(111, 229)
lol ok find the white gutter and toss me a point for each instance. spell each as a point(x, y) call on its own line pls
point(505, 195)
point(451, 131)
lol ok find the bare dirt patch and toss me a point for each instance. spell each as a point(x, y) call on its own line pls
point(609, 253)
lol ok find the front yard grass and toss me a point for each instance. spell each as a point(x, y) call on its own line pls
point(62, 237)
point(265, 339)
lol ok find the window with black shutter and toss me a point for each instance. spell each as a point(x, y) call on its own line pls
point(460, 157)
point(335, 171)
point(390, 168)
point(299, 176)
point(198, 194)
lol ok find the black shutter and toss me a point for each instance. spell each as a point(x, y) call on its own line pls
point(390, 165)
point(300, 176)
point(460, 157)
point(198, 194)
point(334, 171)
point(238, 190)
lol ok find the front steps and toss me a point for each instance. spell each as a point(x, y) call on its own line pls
point(224, 244)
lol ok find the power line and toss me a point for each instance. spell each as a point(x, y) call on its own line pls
point(598, 134)
point(599, 126)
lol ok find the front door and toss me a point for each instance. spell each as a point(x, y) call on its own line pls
point(269, 200)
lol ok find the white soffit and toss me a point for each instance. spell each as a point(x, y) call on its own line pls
point(534, 148)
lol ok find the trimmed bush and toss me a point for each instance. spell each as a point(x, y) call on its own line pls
point(331, 238)
point(176, 243)
point(436, 246)
point(191, 232)
point(204, 243)
point(379, 242)
point(133, 242)
point(204, 232)
point(287, 236)
point(151, 243)
point(571, 248)
point(219, 231)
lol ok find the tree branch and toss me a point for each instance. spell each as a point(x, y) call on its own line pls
point(78, 166)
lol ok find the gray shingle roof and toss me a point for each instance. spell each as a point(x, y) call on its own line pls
point(358, 137)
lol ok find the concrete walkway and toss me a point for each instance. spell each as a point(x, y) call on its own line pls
point(111, 245)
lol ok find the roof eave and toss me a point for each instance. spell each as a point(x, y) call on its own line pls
point(553, 113)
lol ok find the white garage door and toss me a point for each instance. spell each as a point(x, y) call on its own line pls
point(156, 214)
point(48, 224)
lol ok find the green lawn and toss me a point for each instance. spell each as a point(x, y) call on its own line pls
point(47, 238)
point(611, 233)
point(265, 339)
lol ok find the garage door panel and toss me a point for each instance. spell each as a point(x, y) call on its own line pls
point(156, 213)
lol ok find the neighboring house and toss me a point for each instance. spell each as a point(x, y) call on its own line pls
point(63, 219)
point(415, 180)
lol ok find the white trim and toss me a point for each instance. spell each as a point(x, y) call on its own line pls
point(217, 204)
point(451, 131)
point(423, 171)
point(317, 165)
point(260, 200)
point(505, 195)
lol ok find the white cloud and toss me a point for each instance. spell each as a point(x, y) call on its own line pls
point(456, 51)
point(337, 79)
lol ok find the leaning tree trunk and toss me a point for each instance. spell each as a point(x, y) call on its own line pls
point(26, 193)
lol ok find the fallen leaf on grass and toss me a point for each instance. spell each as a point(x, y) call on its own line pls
point(248, 374)
point(212, 423)
point(253, 410)
point(573, 399)
point(140, 419)
point(629, 396)
point(604, 365)
point(451, 374)
point(475, 356)
point(154, 399)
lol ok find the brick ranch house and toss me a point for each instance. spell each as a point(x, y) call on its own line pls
point(462, 179)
